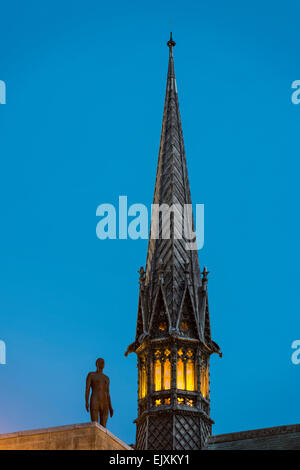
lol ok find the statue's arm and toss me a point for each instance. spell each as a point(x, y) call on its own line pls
point(109, 400)
point(87, 391)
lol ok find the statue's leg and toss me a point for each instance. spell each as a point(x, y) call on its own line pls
point(94, 414)
point(103, 417)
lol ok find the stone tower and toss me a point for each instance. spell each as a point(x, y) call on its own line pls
point(173, 338)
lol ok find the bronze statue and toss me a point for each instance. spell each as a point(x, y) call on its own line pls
point(100, 398)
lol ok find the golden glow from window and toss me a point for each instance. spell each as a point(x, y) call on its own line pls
point(190, 402)
point(157, 375)
point(167, 352)
point(157, 353)
point(143, 382)
point(180, 374)
point(184, 325)
point(167, 401)
point(162, 326)
point(180, 401)
point(158, 402)
point(142, 379)
point(190, 375)
point(167, 374)
point(204, 377)
point(140, 375)
point(186, 370)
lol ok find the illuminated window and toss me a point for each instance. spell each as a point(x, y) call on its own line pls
point(143, 382)
point(204, 378)
point(186, 370)
point(167, 401)
point(190, 375)
point(180, 374)
point(157, 375)
point(180, 401)
point(190, 402)
point(142, 379)
point(140, 383)
point(161, 371)
point(158, 402)
point(167, 374)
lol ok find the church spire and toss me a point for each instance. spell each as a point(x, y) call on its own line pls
point(172, 188)
point(173, 338)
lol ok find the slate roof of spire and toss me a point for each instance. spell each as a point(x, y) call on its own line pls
point(171, 268)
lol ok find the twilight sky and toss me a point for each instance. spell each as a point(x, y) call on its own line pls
point(85, 91)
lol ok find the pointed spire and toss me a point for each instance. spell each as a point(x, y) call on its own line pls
point(172, 187)
point(173, 315)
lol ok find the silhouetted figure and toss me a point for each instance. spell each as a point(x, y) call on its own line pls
point(100, 399)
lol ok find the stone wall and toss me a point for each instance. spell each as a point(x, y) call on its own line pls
point(277, 438)
point(86, 436)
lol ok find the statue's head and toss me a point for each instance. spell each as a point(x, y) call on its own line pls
point(100, 363)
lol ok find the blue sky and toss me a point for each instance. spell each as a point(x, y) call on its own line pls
point(85, 90)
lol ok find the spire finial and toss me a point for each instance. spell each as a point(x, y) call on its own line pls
point(171, 43)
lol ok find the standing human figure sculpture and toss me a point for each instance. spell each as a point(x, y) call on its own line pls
point(100, 403)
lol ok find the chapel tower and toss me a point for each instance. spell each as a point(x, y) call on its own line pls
point(173, 337)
